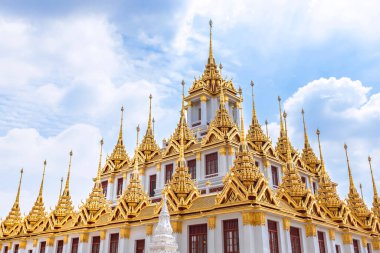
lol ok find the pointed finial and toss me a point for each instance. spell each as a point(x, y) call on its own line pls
point(220, 68)
point(288, 149)
point(68, 172)
point(19, 187)
point(60, 189)
point(361, 190)
point(183, 97)
point(121, 123)
point(286, 127)
point(221, 96)
point(100, 161)
point(348, 167)
point(242, 133)
point(266, 128)
point(304, 129)
point(42, 180)
point(136, 167)
point(320, 152)
point(375, 195)
point(211, 56)
point(281, 121)
point(150, 112)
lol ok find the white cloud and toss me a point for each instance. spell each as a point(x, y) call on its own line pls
point(26, 148)
point(346, 112)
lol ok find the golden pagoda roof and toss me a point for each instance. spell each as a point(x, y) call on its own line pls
point(354, 201)
point(148, 146)
point(256, 138)
point(211, 80)
point(12, 222)
point(245, 182)
point(96, 204)
point(134, 198)
point(119, 154)
point(37, 214)
point(222, 128)
point(308, 155)
point(181, 190)
point(64, 210)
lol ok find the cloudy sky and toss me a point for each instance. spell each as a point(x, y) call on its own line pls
point(66, 68)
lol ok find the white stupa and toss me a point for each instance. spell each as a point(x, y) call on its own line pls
point(163, 240)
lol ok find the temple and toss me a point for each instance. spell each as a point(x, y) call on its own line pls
point(210, 187)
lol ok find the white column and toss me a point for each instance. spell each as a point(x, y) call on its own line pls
point(348, 247)
point(311, 238)
point(247, 242)
point(203, 110)
point(104, 241)
point(211, 231)
point(260, 233)
point(287, 245)
point(331, 241)
point(110, 188)
point(83, 243)
point(189, 119)
point(222, 160)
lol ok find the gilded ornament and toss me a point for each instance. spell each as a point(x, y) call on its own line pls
point(211, 222)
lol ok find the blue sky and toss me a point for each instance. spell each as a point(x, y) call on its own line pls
point(66, 69)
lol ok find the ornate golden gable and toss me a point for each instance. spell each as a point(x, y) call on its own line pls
point(64, 210)
point(181, 190)
point(12, 223)
point(134, 198)
point(96, 204)
point(222, 128)
point(245, 182)
point(37, 215)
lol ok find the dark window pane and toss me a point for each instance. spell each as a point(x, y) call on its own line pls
point(321, 242)
point(42, 247)
point(152, 184)
point(275, 180)
point(198, 238)
point(119, 186)
point(211, 164)
point(168, 172)
point(231, 236)
point(95, 246)
point(114, 243)
point(104, 186)
point(295, 240)
point(192, 165)
point(59, 246)
point(16, 248)
point(140, 246)
point(273, 236)
point(74, 245)
point(356, 245)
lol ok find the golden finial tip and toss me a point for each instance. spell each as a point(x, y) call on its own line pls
point(240, 90)
point(101, 141)
point(345, 146)
point(71, 153)
point(285, 114)
point(252, 83)
point(369, 158)
point(45, 162)
point(318, 132)
point(150, 96)
point(220, 66)
point(138, 128)
point(22, 170)
point(122, 109)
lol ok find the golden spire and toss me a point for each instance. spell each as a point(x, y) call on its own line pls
point(256, 137)
point(354, 201)
point(119, 153)
point(181, 188)
point(323, 169)
point(211, 59)
point(96, 204)
point(66, 189)
point(13, 220)
point(134, 198)
point(308, 155)
point(266, 128)
point(60, 189)
point(37, 213)
point(376, 199)
point(149, 147)
point(282, 130)
point(349, 169)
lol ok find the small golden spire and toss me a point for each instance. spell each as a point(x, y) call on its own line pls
point(19, 187)
point(150, 112)
point(304, 129)
point(60, 189)
point(281, 121)
point(153, 121)
point(136, 167)
point(254, 115)
point(121, 123)
point(349, 168)
point(320, 152)
point(211, 55)
point(361, 190)
point(288, 148)
point(182, 132)
point(221, 97)
point(266, 128)
point(242, 132)
point(375, 195)
point(220, 68)
point(100, 161)
point(42, 180)
point(68, 172)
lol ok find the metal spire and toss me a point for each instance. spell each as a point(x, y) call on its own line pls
point(136, 167)
point(320, 152)
point(304, 129)
point(150, 113)
point(266, 128)
point(121, 125)
point(19, 187)
point(282, 130)
point(60, 189)
point(375, 195)
point(42, 180)
point(254, 115)
point(68, 173)
point(211, 55)
point(349, 168)
point(100, 162)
